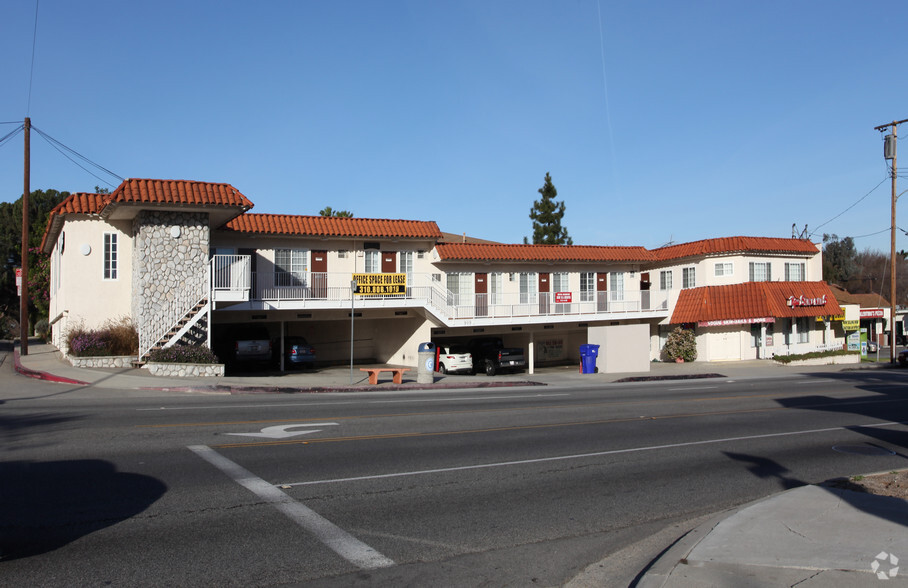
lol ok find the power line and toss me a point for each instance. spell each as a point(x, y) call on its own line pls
point(9, 136)
point(814, 232)
point(31, 73)
point(61, 147)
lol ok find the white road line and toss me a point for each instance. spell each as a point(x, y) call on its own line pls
point(693, 388)
point(344, 544)
point(587, 455)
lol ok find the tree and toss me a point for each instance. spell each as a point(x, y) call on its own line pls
point(546, 215)
point(328, 211)
point(839, 264)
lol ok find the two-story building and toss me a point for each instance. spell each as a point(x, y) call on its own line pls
point(185, 260)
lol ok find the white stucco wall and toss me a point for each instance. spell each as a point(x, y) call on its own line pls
point(622, 348)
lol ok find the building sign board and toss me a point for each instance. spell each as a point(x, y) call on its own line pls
point(798, 301)
point(873, 313)
point(743, 321)
point(380, 284)
point(851, 325)
point(562, 297)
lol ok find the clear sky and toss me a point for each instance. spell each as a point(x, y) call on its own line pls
point(658, 121)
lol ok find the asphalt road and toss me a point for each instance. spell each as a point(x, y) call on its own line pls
point(503, 487)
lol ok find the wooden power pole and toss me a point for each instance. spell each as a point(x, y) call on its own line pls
point(23, 298)
point(889, 152)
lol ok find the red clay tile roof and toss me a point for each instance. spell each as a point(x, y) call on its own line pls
point(733, 245)
point(185, 192)
point(500, 252)
point(752, 300)
point(78, 203)
point(332, 226)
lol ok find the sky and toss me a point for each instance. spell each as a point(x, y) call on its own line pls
point(659, 121)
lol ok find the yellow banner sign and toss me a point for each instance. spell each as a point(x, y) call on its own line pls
point(380, 284)
point(851, 325)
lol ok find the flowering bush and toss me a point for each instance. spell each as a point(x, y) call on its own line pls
point(183, 354)
point(114, 338)
point(681, 344)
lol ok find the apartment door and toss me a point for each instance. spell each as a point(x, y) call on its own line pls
point(602, 292)
point(389, 262)
point(481, 289)
point(319, 277)
point(644, 291)
point(544, 292)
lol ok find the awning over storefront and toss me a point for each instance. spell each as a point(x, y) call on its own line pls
point(754, 302)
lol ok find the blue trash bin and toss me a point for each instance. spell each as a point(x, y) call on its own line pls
point(588, 355)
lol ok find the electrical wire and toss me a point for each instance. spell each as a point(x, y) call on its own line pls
point(61, 147)
point(814, 232)
point(9, 136)
point(31, 73)
point(886, 230)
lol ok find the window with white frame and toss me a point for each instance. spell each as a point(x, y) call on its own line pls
point(689, 277)
point(406, 265)
point(587, 286)
point(460, 288)
point(290, 266)
point(528, 287)
point(616, 285)
point(372, 262)
point(760, 271)
point(560, 282)
point(665, 280)
point(724, 269)
point(803, 326)
point(794, 272)
point(110, 256)
point(495, 288)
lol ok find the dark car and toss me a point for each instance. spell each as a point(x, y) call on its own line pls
point(297, 352)
point(903, 358)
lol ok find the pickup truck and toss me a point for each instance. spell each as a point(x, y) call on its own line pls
point(251, 344)
point(491, 356)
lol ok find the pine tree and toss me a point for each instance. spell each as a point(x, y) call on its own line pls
point(546, 215)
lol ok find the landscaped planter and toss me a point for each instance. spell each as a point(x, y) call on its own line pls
point(831, 360)
point(106, 361)
point(185, 370)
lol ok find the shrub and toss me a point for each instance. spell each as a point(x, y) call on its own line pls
point(183, 354)
point(42, 329)
point(681, 343)
point(813, 355)
point(115, 337)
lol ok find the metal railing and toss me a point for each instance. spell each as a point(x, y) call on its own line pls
point(153, 329)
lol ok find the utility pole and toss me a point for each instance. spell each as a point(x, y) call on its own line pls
point(23, 298)
point(889, 152)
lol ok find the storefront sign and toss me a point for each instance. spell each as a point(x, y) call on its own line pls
point(851, 325)
point(822, 319)
point(873, 313)
point(798, 301)
point(562, 297)
point(380, 284)
point(728, 322)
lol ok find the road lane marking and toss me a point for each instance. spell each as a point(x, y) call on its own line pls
point(342, 543)
point(281, 432)
point(587, 455)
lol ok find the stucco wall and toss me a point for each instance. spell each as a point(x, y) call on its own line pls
point(622, 348)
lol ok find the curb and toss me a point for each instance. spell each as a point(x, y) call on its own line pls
point(22, 370)
point(237, 390)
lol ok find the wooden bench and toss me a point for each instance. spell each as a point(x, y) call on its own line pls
point(397, 378)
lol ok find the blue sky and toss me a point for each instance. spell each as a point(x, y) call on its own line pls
point(658, 121)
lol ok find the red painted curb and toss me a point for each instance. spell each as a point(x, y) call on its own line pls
point(42, 375)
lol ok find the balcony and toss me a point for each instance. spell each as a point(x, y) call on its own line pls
point(232, 281)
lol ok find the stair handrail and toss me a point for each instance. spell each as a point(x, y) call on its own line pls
point(153, 330)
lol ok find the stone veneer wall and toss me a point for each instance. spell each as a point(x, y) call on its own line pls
point(164, 265)
point(107, 361)
point(186, 370)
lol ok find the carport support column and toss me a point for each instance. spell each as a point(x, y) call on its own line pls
point(762, 341)
point(531, 355)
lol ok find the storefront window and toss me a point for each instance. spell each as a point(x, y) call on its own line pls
point(803, 329)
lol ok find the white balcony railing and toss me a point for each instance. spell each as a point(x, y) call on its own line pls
point(232, 273)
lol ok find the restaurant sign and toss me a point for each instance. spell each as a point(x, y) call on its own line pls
point(380, 284)
point(742, 321)
point(873, 313)
point(798, 301)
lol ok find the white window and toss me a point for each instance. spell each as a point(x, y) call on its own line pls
point(587, 286)
point(110, 256)
point(290, 267)
point(560, 282)
point(689, 277)
point(794, 272)
point(803, 325)
point(373, 262)
point(528, 287)
point(460, 288)
point(665, 280)
point(724, 269)
point(760, 272)
point(495, 288)
point(616, 285)
point(406, 264)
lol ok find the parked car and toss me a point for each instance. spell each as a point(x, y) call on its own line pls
point(453, 359)
point(297, 352)
point(872, 347)
point(491, 356)
point(251, 344)
point(903, 358)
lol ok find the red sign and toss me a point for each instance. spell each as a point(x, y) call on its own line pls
point(796, 301)
point(744, 321)
point(561, 297)
point(873, 313)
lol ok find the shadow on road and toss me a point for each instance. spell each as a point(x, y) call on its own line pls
point(46, 505)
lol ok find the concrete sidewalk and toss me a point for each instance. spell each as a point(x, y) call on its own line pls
point(810, 536)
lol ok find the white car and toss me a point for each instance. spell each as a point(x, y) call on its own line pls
point(454, 358)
